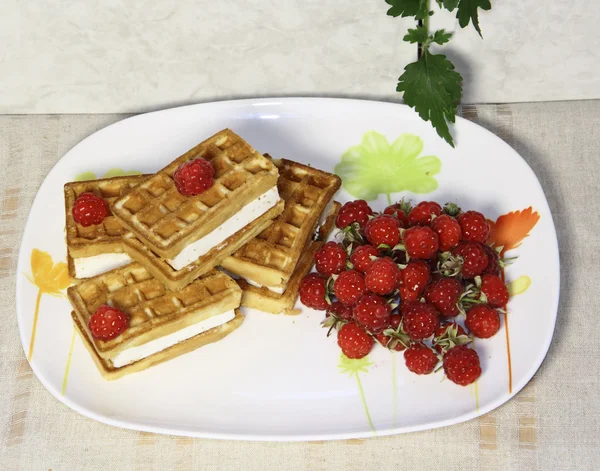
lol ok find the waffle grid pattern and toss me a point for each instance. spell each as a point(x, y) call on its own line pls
point(306, 192)
point(146, 300)
point(159, 213)
point(109, 190)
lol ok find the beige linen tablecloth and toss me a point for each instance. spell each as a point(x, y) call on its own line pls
point(553, 423)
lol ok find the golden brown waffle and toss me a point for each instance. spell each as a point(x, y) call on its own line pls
point(101, 238)
point(266, 300)
point(179, 279)
point(153, 310)
point(167, 221)
point(110, 372)
point(270, 259)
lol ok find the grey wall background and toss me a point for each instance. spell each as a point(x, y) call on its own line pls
point(72, 56)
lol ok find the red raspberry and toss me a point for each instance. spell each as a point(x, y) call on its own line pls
point(421, 242)
point(495, 290)
point(444, 295)
point(421, 214)
point(474, 226)
point(395, 320)
point(89, 209)
point(382, 276)
point(336, 316)
point(493, 267)
point(349, 286)
point(482, 321)
point(372, 312)
point(461, 365)
point(413, 280)
point(353, 211)
point(420, 359)
point(474, 256)
point(108, 323)
point(340, 311)
point(448, 230)
point(354, 342)
point(361, 257)
point(449, 335)
point(420, 320)
point(397, 210)
point(384, 340)
point(330, 259)
point(312, 291)
point(194, 177)
point(384, 229)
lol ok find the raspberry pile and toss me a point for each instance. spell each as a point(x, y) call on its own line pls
point(416, 279)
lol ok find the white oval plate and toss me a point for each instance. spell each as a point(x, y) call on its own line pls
point(277, 377)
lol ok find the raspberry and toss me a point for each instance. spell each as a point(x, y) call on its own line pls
point(330, 259)
point(388, 342)
point(444, 295)
point(422, 213)
point(339, 310)
point(312, 291)
point(398, 211)
point(495, 290)
point(194, 177)
point(354, 342)
point(461, 365)
point(482, 321)
point(493, 267)
point(89, 209)
point(421, 242)
point(349, 286)
point(413, 280)
point(420, 359)
point(353, 211)
point(475, 258)
point(474, 226)
point(372, 312)
point(361, 257)
point(108, 323)
point(420, 320)
point(448, 231)
point(383, 230)
point(449, 335)
point(382, 276)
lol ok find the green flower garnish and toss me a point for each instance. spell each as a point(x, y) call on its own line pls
point(353, 367)
point(377, 167)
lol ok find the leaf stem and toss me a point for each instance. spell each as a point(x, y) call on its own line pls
point(425, 24)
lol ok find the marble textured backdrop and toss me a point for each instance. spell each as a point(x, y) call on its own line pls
point(75, 56)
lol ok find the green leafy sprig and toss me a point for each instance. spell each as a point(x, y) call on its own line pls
point(431, 85)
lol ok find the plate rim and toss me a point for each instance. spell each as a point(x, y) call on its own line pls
point(180, 431)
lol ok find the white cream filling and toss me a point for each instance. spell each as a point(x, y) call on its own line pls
point(235, 223)
point(142, 351)
point(275, 289)
point(86, 267)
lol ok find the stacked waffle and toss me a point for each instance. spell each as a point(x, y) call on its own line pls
point(145, 250)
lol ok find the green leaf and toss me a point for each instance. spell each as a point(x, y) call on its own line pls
point(433, 88)
point(440, 37)
point(377, 166)
point(450, 5)
point(467, 12)
point(418, 35)
point(416, 8)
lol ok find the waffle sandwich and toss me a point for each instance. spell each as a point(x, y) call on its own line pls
point(274, 262)
point(163, 324)
point(98, 248)
point(178, 237)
